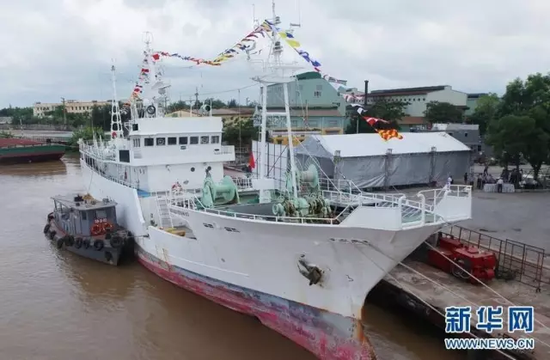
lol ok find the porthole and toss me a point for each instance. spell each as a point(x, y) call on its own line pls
point(192, 169)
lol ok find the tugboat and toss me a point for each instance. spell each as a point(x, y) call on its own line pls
point(88, 227)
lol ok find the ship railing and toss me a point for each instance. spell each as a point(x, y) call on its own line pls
point(193, 203)
point(417, 210)
point(113, 178)
point(96, 153)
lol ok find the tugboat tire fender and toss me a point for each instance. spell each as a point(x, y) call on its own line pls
point(52, 234)
point(47, 228)
point(78, 243)
point(98, 245)
point(86, 243)
point(116, 242)
point(108, 256)
point(69, 240)
point(59, 243)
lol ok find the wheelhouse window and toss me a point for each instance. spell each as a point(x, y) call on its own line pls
point(172, 141)
point(161, 141)
point(149, 141)
point(205, 139)
point(215, 139)
point(183, 140)
point(137, 142)
point(194, 140)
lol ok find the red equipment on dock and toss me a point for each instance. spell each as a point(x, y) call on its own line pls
point(479, 263)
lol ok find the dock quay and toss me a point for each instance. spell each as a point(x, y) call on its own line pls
point(522, 279)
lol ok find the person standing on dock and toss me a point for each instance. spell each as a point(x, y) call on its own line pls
point(500, 182)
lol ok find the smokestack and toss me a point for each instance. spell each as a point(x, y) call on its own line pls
point(366, 92)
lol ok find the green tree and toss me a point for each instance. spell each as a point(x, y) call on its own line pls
point(485, 111)
point(177, 106)
point(232, 103)
point(515, 136)
point(241, 133)
point(5, 135)
point(389, 110)
point(528, 99)
point(443, 112)
point(86, 133)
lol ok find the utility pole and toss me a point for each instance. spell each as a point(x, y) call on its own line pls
point(365, 105)
point(64, 111)
point(197, 96)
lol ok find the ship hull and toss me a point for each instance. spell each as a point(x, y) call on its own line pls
point(327, 335)
point(27, 154)
point(252, 267)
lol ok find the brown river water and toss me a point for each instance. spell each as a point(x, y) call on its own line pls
point(55, 305)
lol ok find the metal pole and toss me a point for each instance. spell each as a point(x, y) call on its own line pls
point(290, 141)
point(64, 111)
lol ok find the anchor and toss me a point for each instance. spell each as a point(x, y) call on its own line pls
point(310, 271)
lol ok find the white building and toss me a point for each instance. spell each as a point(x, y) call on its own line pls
point(420, 96)
point(72, 106)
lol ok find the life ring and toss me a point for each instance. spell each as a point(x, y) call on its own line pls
point(151, 110)
point(116, 242)
point(107, 227)
point(78, 243)
point(47, 228)
point(96, 229)
point(86, 243)
point(98, 245)
point(113, 135)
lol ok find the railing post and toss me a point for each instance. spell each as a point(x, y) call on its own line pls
point(423, 211)
point(400, 207)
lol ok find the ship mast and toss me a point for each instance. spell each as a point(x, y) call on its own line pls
point(116, 121)
point(282, 74)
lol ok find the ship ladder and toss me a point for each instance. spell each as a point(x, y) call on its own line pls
point(164, 213)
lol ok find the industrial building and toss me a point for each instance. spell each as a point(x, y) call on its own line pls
point(71, 106)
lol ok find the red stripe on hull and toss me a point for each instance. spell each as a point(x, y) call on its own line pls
point(328, 336)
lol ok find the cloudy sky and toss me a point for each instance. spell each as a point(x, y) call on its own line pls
point(64, 48)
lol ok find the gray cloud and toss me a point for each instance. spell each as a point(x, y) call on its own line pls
point(64, 47)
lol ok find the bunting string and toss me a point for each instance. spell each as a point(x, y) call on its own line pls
point(246, 45)
point(348, 97)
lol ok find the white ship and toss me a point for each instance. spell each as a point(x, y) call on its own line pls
point(303, 264)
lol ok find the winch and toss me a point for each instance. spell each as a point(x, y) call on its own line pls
point(478, 263)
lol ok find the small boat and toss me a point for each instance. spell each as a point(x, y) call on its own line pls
point(88, 227)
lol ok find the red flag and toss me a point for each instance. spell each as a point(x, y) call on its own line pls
point(251, 161)
point(371, 121)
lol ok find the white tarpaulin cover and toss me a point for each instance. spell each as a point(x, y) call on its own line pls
point(369, 161)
